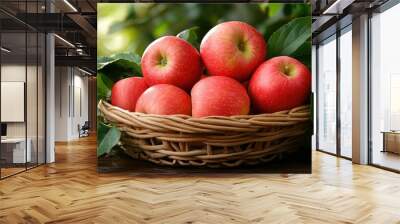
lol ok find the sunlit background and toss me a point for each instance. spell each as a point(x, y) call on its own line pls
point(131, 27)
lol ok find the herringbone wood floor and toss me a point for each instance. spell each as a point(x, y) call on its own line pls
point(71, 191)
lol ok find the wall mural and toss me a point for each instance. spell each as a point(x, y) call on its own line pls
point(204, 87)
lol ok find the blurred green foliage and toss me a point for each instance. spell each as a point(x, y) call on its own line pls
point(126, 27)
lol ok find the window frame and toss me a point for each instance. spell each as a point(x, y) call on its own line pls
point(339, 32)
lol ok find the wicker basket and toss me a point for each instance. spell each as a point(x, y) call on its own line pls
point(212, 141)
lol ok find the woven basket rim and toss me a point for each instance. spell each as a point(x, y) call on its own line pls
point(213, 124)
point(298, 109)
point(208, 141)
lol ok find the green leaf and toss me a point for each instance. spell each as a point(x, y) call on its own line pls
point(303, 50)
point(103, 61)
point(102, 130)
point(120, 65)
point(107, 139)
point(190, 35)
point(303, 54)
point(290, 37)
point(104, 85)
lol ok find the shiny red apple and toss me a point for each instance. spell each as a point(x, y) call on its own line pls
point(125, 92)
point(234, 49)
point(219, 96)
point(280, 83)
point(171, 60)
point(164, 99)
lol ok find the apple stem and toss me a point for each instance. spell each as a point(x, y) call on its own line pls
point(242, 45)
point(162, 60)
point(288, 70)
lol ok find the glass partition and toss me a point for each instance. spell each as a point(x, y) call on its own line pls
point(23, 90)
point(32, 97)
point(15, 152)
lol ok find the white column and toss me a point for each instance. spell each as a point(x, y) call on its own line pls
point(50, 109)
point(360, 90)
point(50, 93)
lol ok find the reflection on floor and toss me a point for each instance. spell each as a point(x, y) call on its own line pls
point(10, 171)
point(71, 191)
point(386, 159)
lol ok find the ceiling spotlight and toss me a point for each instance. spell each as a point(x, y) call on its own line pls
point(70, 5)
point(5, 50)
point(80, 51)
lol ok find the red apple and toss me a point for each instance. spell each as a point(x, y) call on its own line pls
point(171, 60)
point(280, 83)
point(164, 99)
point(234, 49)
point(219, 96)
point(125, 92)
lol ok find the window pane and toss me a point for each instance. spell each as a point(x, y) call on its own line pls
point(346, 94)
point(385, 84)
point(327, 96)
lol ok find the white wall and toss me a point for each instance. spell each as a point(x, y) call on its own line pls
point(70, 83)
point(12, 73)
point(61, 103)
point(80, 85)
